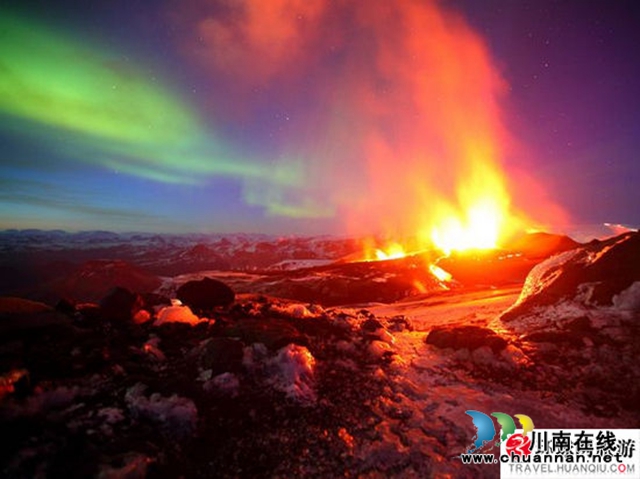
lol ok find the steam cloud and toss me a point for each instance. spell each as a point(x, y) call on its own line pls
point(394, 106)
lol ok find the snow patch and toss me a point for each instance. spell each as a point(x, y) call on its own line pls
point(292, 372)
point(629, 299)
point(383, 335)
point(545, 274)
point(177, 414)
point(294, 310)
point(226, 383)
point(253, 355)
point(298, 310)
point(379, 349)
point(177, 314)
point(295, 264)
point(111, 415)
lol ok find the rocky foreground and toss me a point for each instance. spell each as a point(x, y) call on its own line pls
point(250, 385)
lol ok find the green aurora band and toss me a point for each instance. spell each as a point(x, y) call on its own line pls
point(107, 112)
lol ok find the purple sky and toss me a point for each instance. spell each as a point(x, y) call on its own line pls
point(305, 117)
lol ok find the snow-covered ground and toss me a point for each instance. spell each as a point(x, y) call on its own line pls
point(283, 387)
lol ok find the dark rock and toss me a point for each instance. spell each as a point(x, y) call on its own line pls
point(274, 333)
point(400, 323)
point(591, 275)
point(13, 305)
point(580, 325)
point(66, 306)
point(32, 324)
point(92, 280)
point(542, 245)
point(88, 314)
point(320, 326)
point(469, 337)
point(205, 294)
point(15, 382)
point(120, 304)
point(49, 339)
point(22, 386)
point(354, 283)
point(554, 337)
point(371, 325)
point(154, 299)
point(220, 355)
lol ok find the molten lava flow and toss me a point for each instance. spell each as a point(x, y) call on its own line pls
point(380, 250)
point(439, 273)
point(392, 251)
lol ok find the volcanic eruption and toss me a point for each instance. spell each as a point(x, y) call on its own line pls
point(431, 298)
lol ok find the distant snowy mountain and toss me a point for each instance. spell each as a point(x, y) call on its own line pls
point(584, 233)
point(30, 259)
point(36, 263)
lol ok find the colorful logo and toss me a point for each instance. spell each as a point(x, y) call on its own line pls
point(518, 444)
point(486, 431)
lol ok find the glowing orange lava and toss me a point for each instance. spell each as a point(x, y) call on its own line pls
point(392, 251)
point(480, 219)
point(439, 273)
point(438, 174)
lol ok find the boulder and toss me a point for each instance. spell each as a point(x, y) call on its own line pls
point(205, 294)
point(465, 337)
point(220, 355)
point(120, 304)
point(274, 333)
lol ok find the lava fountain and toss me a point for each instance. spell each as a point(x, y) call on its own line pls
point(434, 137)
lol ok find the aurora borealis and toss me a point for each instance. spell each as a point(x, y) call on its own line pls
point(313, 116)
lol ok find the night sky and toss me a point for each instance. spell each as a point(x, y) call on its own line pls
point(315, 116)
